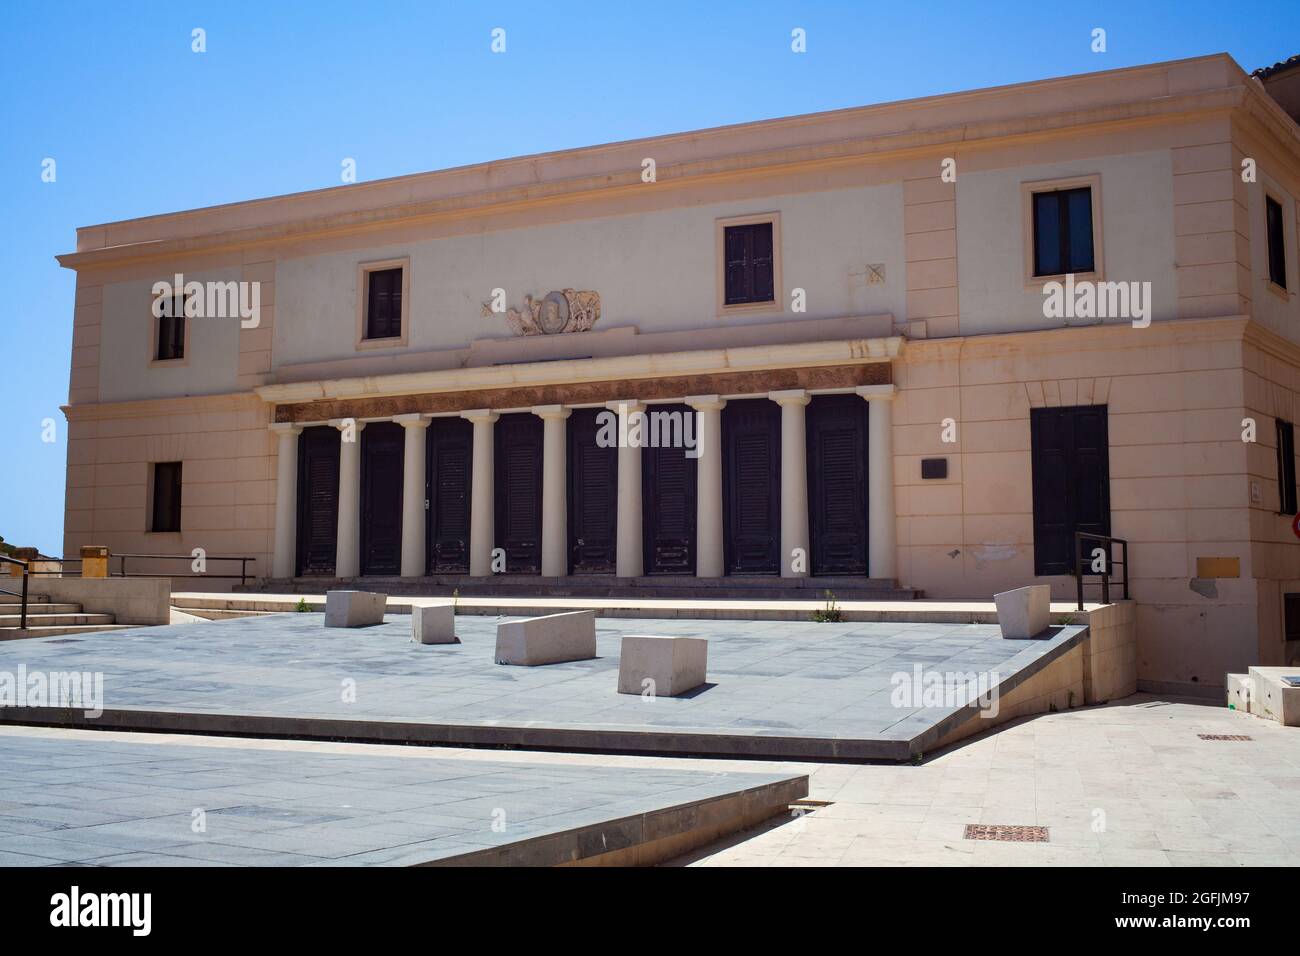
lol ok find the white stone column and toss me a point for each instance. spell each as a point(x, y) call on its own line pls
point(794, 479)
point(481, 513)
point(284, 558)
point(555, 490)
point(709, 553)
point(881, 520)
point(630, 560)
point(415, 429)
point(347, 559)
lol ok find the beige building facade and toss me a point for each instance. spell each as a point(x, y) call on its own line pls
point(850, 310)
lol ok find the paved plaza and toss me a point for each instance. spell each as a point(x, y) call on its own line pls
point(776, 688)
point(88, 797)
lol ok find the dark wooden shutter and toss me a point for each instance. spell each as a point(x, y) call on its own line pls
point(1286, 487)
point(1276, 240)
point(751, 479)
point(1291, 616)
point(171, 329)
point(518, 480)
point(837, 484)
point(450, 454)
point(1071, 482)
point(384, 304)
point(383, 446)
point(668, 489)
point(593, 496)
point(749, 263)
point(167, 496)
point(318, 499)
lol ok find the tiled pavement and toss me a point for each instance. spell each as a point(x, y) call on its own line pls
point(768, 679)
point(1129, 784)
point(86, 797)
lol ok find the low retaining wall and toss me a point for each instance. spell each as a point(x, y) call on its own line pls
point(129, 600)
point(1110, 653)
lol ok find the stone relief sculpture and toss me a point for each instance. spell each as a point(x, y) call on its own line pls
point(564, 311)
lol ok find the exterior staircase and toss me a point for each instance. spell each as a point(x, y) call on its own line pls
point(46, 619)
point(756, 588)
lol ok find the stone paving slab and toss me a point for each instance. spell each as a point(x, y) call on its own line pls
point(136, 803)
point(776, 689)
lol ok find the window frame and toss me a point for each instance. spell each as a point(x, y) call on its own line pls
point(1028, 190)
point(776, 303)
point(363, 302)
point(153, 497)
point(1280, 288)
point(1286, 471)
point(155, 338)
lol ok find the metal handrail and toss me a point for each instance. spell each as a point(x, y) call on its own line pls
point(1079, 538)
point(22, 607)
point(241, 558)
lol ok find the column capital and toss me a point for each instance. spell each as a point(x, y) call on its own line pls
point(285, 428)
point(877, 392)
point(342, 423)
point(626, 404)
point(549, 412)
point(413, 420)
point(477, 415)
point(706, 403)
point(790, 396)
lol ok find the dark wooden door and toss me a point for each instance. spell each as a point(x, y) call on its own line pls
point(448, 470)
point(593, 497)
point(668, 483)
point(837, 484)
point(751, 486)
point(518, 480)
point(382, 450)
point(318, 500)
point(1071, 482)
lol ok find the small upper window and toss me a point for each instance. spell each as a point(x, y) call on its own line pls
point(384, 304)
point(1063, 232)
point(1276, 242)
point(166, 496)
point(171, 329)
point(749, 263)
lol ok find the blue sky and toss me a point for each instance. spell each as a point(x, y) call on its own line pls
point(138, 124)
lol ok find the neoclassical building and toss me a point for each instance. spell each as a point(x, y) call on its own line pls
point(823, 346)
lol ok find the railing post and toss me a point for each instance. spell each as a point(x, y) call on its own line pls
point(22, 611)
point(1078, 571)
point(1126, 571)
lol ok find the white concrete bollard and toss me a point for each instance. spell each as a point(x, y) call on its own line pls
point(672, 665)
point(1024, 612)
point(552, 639)
point(434, 624)
point(354, 608)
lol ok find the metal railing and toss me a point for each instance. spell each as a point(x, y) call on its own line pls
point(22, 603)
point(1110, 562)
point(123, 573)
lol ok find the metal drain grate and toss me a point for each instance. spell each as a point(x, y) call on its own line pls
point(1006, 834)
point(1225, 737)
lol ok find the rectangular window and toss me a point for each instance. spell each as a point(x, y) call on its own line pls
point(1063, 232)
point(1070, 457)
point(749, 263)
point(1286, 468)
point(171, 329)
point(166, 496)
point(1276, 242)
point(384, 304)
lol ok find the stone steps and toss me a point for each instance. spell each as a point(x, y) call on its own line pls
point(69, 619)
point(596, 586)
point(46, 618)
point(58, 630)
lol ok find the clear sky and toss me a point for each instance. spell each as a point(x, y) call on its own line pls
point(139, 124)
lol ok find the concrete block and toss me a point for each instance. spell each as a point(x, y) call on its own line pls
point(1274, 698)
point(1024, 612)
point(354, 608)
point(676, 665)
point(551, 639)
point(1240, 691)
point(434, 624)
